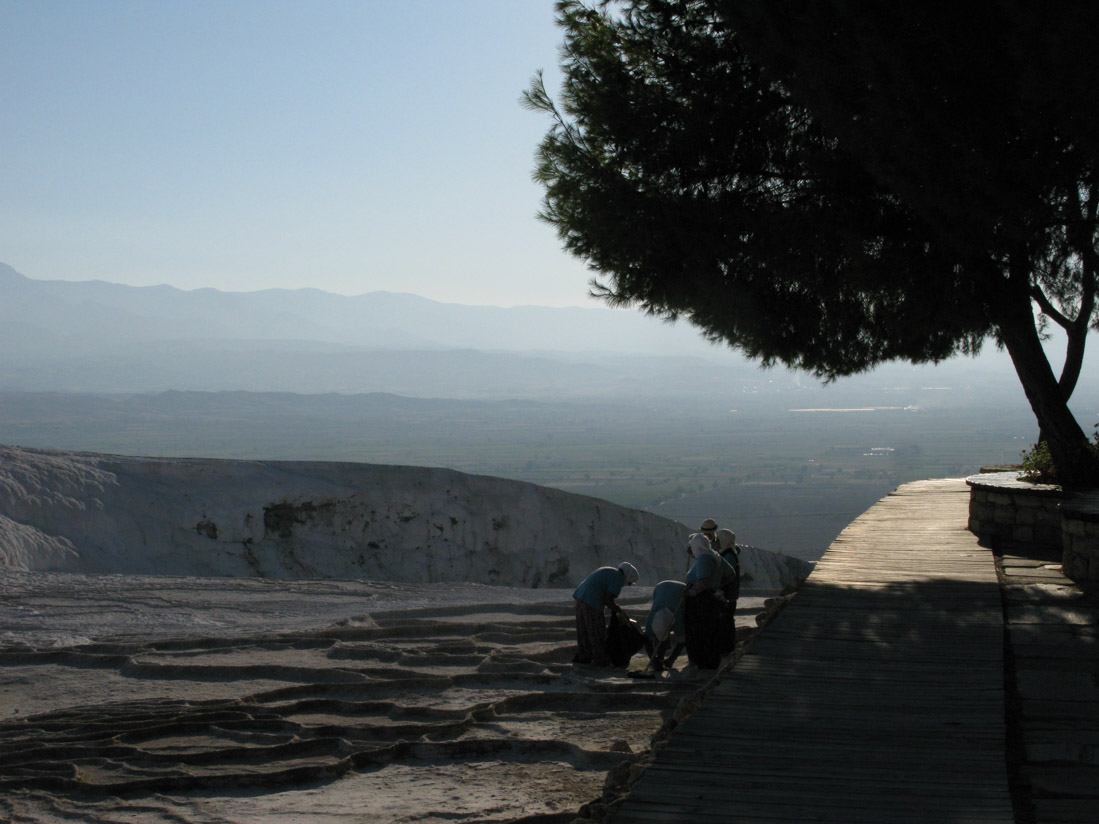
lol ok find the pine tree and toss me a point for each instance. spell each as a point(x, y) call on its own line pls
point(832, 185)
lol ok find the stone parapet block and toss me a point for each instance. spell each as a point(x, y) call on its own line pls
point(1080, 537)
point(1004, 509)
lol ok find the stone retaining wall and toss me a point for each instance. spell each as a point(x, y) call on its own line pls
point(1080, 533)
point(1004, 510)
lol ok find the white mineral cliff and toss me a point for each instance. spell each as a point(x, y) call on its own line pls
point(91, 513)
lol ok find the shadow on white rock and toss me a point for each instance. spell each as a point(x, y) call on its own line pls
point(91, 513)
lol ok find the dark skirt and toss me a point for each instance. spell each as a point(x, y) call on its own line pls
point(727, 628)
point(703, 616)
point(591, 635)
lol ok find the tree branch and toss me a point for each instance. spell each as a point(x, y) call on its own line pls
point(1049, 309)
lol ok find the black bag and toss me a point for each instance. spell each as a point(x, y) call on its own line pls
point(624, 639)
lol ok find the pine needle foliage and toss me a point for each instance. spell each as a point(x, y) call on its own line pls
point(833, 185)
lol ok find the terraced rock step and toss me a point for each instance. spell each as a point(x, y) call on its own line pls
point(468, 711)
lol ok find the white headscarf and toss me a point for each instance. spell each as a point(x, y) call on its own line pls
point(699, 545)
point(726, 539)
point(630, 571)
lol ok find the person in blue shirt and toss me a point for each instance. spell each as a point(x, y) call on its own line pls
point(596, 593)
point(665, 620)
point(706, 571)
point(704, 604)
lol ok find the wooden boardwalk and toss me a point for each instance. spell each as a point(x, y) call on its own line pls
point(876, 696)
point(1053, 627)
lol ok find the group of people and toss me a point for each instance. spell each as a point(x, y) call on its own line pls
point(696, 614)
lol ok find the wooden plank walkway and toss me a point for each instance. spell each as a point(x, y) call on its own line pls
point(1053, 627)
point(876, 696)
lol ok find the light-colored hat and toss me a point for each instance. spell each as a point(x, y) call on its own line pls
point(726, 539)
point(709, 525)
point(699, 545)
point(662, 623)
point(630, 571)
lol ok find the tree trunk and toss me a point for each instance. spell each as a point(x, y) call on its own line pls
point(1077, 465)
point(1074, 362)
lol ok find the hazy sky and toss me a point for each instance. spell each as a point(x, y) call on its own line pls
point(247, 144)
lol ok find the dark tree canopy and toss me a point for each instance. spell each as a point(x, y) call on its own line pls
point(832, 185)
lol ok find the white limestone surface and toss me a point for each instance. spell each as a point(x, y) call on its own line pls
point(149, 699)
point(90, 513)
point(167, 652)
point(763, 569)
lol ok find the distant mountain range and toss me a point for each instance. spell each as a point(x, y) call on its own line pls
point(110, 316)
point(98, 337)
point(103, 337)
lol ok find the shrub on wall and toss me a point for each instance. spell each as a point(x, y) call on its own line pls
point(1038, 465)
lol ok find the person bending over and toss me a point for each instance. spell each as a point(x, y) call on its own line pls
point(595, 594)
point(665, 620)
